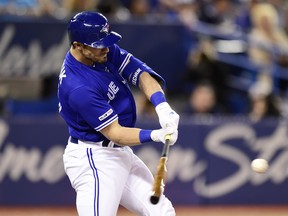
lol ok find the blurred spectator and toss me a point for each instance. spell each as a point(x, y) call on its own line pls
point(216, 12)
point(202, 100)
point(75, 6)
point(266, 34)
point(113, 9)
point(268, 42)
point(183, 10)
point(30, 7)
point(282, 8)
point(243, 15)
point(203, 66)
point(263, 104)
point(211, 20)
point(139, 8)
point(108, 7)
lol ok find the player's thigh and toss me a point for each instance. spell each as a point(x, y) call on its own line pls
point(98, 177)
point(137, 192)
point(112, 167)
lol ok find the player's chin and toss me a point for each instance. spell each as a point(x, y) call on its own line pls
point(102, 60)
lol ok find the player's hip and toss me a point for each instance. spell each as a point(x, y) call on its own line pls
point(82, 150)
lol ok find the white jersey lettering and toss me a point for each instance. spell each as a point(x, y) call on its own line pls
point(112, 90)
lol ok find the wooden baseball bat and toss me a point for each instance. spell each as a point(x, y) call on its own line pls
point(160, 177)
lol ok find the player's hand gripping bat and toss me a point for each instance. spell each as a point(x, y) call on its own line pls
point(160, 177)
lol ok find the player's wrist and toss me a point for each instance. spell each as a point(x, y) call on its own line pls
point(145, 136)
point(162, 110)
point(156, 135)
point(157, 98)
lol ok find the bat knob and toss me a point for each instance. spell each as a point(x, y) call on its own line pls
point(154, 200)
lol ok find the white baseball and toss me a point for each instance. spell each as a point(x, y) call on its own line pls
point(259, 165)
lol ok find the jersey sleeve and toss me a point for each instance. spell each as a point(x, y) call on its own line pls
point(92, 108)
point(130, 67)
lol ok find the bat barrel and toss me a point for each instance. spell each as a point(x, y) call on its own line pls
point(160, 176)
point(158, 185)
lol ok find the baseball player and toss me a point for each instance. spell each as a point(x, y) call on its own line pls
point(99, 109)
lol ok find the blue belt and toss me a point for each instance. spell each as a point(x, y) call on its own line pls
point(104, 143)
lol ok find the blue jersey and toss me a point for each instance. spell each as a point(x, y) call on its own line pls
point(92, 97)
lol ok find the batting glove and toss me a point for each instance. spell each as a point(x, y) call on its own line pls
point(159, 135)
point(167, 116)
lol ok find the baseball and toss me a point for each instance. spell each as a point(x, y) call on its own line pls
point(259, 165)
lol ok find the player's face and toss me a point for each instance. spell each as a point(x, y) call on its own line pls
point(95, 54)
point(88, 55)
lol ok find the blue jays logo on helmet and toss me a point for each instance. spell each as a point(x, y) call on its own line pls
point(92, 29)
point(105, 28)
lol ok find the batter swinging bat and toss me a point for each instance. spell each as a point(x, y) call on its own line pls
point(160, 177)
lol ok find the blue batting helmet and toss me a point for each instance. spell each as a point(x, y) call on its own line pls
point(91, 29)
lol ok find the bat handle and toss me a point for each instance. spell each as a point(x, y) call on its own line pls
point(167, 138)
point(166, 145)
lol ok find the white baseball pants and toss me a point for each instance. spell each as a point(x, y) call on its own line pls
point(104, 177)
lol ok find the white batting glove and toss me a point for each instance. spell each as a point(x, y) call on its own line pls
point(167, 116)
point(159, 135)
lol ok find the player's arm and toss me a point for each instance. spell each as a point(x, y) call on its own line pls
point(140, 74)
point(121, 135)
point(133, 136)
point(153, 91)
point(127, 136)
point(149, 85)
point(86, 101)
point(130, 67)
